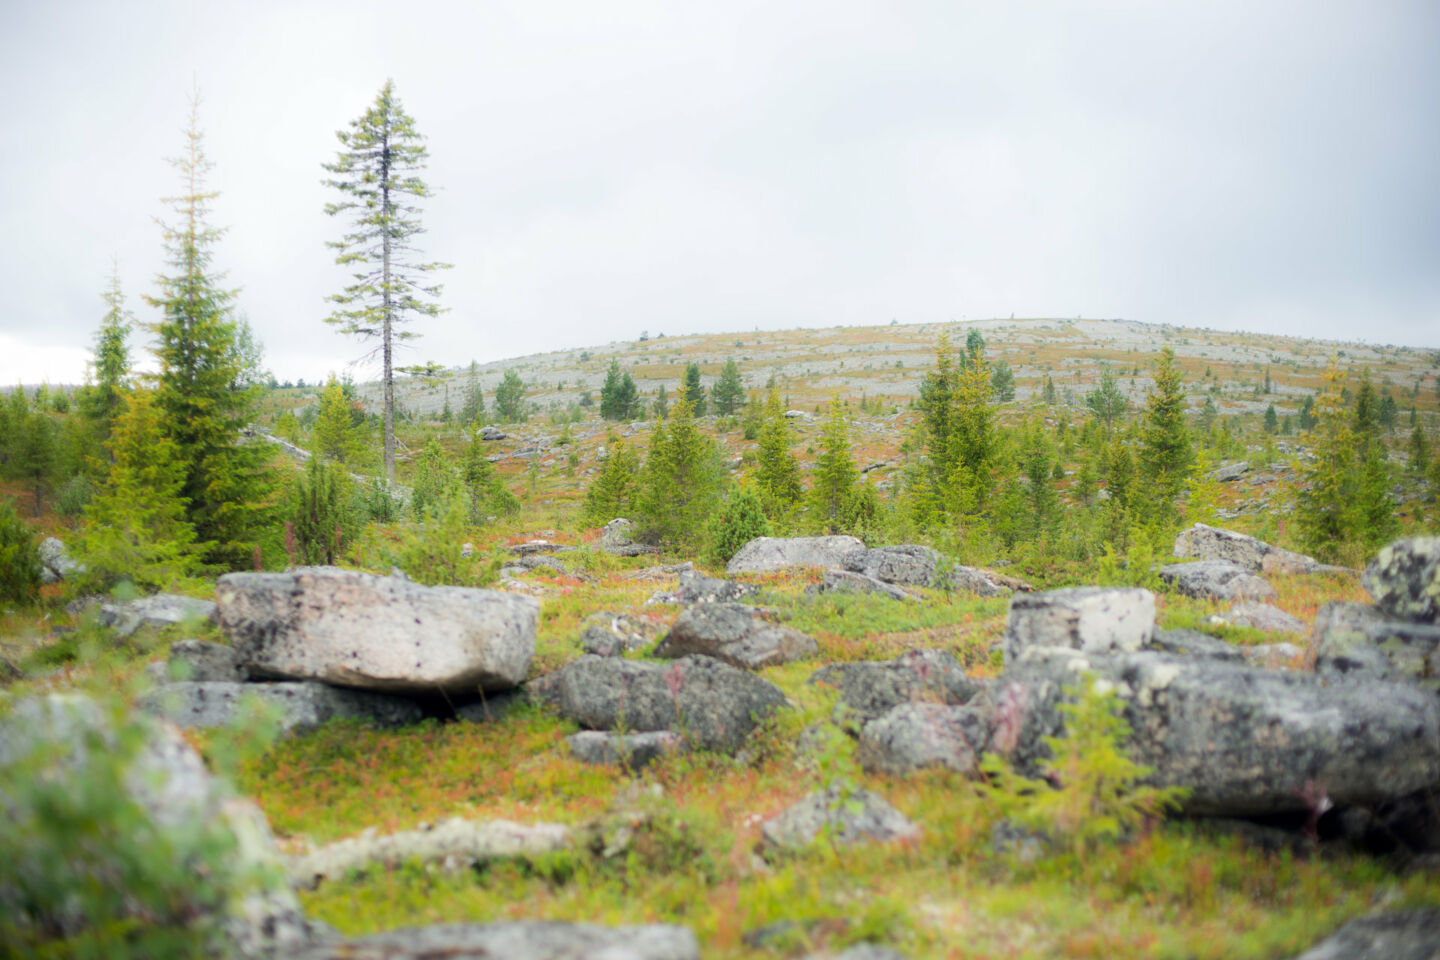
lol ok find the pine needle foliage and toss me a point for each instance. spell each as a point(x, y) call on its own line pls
point(681, 479)
point(135, 527)
point(321, 515)
point(489, 497)
point(1091, 790)
point(615, 491)
point(19, 557)
point(338, 433)
point(834, 474)
point(1166, 453)
point(377, 173)
point(777, 471)
point(100, 402)
point(200, 395)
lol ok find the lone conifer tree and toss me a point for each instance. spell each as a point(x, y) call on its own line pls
point(100, 402)
point(376, 171)
point(201, 390)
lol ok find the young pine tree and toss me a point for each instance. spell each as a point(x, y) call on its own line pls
point(321, 520)
point(337, 435)
point(682, 478)
point(834, 474)
point(434, 482)
point(1166, 454)
point(199, 396)
point(135, 526)
point(100, 401)
point(489, 497)
point(614, 491)
point(1325, 512)
point(694, 389)
point(777, 472)
point(728, 393)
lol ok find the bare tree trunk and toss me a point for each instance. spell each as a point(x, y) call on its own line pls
point(385, 287)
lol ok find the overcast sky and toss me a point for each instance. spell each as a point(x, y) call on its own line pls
point(607, 168)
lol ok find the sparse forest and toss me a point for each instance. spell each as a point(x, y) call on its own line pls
point(604, 509)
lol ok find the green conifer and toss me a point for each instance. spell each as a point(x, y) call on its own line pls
point(777, 472)
point(834, 473)
point(1166, 454)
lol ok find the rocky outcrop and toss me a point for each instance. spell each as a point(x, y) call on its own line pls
point(1093, 619)
point(171, 791)
point(1204, 542)
point(633, 751)
point(300, 707)
point(906, 564)
point(523, 940)
point(616, 539)
point(1358, 639)
point(698, 588)
point(377, 633)
point(914, 736)
point(615, 634)
point(1258, 616)
point(736, 634)
point(201, 661)
point(769, 554)
point(841, 817)
point(843, 581)
point(158, 610)
point(1216, 580)
point(871, 688)
point(55, 562)
point(1244, 741)
point(1399, 935)
point(453, 844)
point(713, 705)
point(1404, 579)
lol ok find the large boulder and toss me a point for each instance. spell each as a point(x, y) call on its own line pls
point(768, 554)
point(199, 660)
point(739, 635)
point(1204, 542)
point(713, 705)
point(520, 940)
point(454, 844)
point(55, 563)
point(844, 581)
point(1398, 935)
point(301, 707)
point(157, 805)
point(1216, 580)
point(1355, 638)
point(1404, 579)
point(1097, 619)
point(870, 688)
point(377, 633)
point(843, 817)
point(907, 564)
point(914, 736)
point(1244, 741)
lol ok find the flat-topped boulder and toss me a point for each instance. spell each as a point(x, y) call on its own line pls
point(1244, 741)
point(1098, 619)
point(739, 635)
point(768, 554)
point(914, 736)
point(1216, 580)
point(907, 564)
point(845, 581)
point(1204, 542)
point(1359, 639)
point(711, 704)
point(370, 632)
point(844, 817)
point(156, 610)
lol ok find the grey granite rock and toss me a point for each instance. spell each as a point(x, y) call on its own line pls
point(377, 633)
point(871, 688)
point(1081, 618)
point(842, 817)
point(913, 736)
point(1216, 580)
point(1404, 579)
point(1398, 935)
point(634, 751)
point(768, 554)
point(302, 706)
point(737, 634)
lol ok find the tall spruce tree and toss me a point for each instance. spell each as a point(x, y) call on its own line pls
point(615, 490)
point(377, 172)
point(834, 473)
point(101, 400)
point(1166, 454)
point(728, 394)
point(203, 404)
point(777, 472)
point(694, 389)
point(682, 477)
point(1325, 510)
point(1106, 401)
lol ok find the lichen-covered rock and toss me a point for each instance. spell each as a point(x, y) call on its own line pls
point(1358, 639)
point(386, 634)
point(844, 581)
point(173, 794)
point(768, 554)
point(521, 940)
point(1397, 935)
point(301, 706)
point(1194, 643)
point(697, 588)
point(1204, 542)
point(1216, 580)
point(634, 751)
point(871, 688)
point(1259, 616)
point(198, 660)
point(1080, 618)
point(1404, 579)
point(913, 736)
point(614, 634)
point(736, 634)
point(713, 705)
point(1244, 741)
point(907, 564)
point(982, 583)
point(55, 563)
point(454, 844)
point(843, 817)
point(157, 610)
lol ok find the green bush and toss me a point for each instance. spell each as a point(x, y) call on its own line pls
point(19, 557)
point(320, 518)
point(741, 520)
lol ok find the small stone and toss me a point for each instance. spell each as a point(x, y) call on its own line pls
point(839, 816)
point(634, 751)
